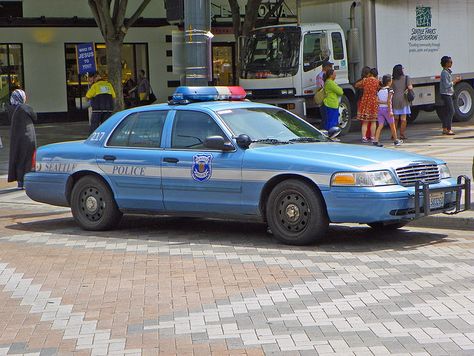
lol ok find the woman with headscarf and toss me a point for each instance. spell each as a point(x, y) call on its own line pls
point(22, 137)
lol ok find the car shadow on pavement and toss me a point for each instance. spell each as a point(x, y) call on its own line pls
point(227, 233)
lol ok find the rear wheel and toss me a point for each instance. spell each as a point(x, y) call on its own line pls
point(93, 205)
point(463, 102)
point(387, 226)
point(414, 114)
point(296, 214)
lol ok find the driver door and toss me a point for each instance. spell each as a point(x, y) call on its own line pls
point(197, 179)
point(315, 50)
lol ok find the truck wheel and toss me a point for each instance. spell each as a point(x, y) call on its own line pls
point(387, 226)
point(296, 214)
point(463, 102)
point(414, 114)
point(345, 115)
point(93, 205)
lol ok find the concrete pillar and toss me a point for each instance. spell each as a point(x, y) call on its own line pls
point(197, 24)
point(369, 38)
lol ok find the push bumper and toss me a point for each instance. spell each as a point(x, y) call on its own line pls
point(424, 194)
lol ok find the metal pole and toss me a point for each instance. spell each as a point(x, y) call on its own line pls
point(197, 42)
point(370, 43)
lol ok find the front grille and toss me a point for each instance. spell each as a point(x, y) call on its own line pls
point(426, 172)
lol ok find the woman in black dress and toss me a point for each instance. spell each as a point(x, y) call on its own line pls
point(22, 137)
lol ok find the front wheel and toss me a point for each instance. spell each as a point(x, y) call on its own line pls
point(345, 115)
point(296, 214)
point(387, 226)
point(93, 205)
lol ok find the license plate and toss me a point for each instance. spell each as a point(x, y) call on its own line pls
point(436, 200)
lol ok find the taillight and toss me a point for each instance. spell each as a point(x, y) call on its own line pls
point(33, 161)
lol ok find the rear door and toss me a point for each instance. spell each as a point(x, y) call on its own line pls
point(197, 179)
point(131, 160)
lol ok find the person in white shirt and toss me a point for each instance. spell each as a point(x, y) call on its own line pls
point(385, 113)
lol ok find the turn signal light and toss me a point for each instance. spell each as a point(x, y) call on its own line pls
point(344, 179)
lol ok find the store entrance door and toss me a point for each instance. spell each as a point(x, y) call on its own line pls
point(223, 64)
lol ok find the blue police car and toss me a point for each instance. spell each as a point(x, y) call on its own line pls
point(208, 153)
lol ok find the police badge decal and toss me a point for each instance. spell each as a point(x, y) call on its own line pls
point(201, 169)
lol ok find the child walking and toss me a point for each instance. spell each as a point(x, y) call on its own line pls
point(385, 114)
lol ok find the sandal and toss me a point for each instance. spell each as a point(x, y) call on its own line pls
point(450, 133)
point(403, 137)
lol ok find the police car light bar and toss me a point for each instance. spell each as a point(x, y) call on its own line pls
point(208, 93)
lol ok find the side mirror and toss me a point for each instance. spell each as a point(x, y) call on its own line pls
point(244, 141)
point(334, 131)
point(217, 143)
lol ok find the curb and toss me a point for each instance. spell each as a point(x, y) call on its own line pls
point(463, 221)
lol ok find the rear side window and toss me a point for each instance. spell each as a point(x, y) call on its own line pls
point(337, 45)
point(142, 129)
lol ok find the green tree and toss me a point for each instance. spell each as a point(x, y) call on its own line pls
point(110, 18)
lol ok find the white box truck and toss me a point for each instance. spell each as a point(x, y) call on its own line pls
point(280, 63)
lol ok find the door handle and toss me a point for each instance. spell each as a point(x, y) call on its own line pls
point(170, 160)
point(110, 158)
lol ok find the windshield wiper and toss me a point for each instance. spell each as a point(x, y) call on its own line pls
point(305, 139)
point(271, 141)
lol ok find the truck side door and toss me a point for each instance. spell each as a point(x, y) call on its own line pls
point(339, 57)
point(316, 50)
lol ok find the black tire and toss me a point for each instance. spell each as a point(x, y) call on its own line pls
point(296, 214)
point(414, 114)
point(463, 102)
point(387, 226)
point(345, 116)
point(93, 205)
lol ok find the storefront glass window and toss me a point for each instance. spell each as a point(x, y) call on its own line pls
point(11, 71)
point(134, 59)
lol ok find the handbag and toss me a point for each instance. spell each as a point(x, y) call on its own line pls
point(319, 96)
point(409, 93)
point(151, 97)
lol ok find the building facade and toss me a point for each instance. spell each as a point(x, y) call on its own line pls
point(38, 41)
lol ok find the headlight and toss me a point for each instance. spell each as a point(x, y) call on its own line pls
point(363, 179)
point(284, 92)
point(444, 171)
point(249, 92)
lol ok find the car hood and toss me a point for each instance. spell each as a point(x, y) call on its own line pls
point(346, 156)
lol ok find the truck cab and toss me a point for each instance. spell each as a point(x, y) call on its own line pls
point(280, 64)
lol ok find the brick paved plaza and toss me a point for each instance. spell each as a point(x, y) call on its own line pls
point(189, 286)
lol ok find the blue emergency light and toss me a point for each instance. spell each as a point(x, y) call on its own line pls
point(208, 93)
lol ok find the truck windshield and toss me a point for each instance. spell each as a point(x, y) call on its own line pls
point(272, 52)
point(270, 125)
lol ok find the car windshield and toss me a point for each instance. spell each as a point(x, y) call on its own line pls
point(270, 126)
point(272, 52)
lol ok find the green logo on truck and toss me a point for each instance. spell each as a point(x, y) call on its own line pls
point(423, 16)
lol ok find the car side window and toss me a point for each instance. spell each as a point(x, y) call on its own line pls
point(191, 128)
point(142, 129)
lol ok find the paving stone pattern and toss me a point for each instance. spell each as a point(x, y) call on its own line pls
point(235, 292)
